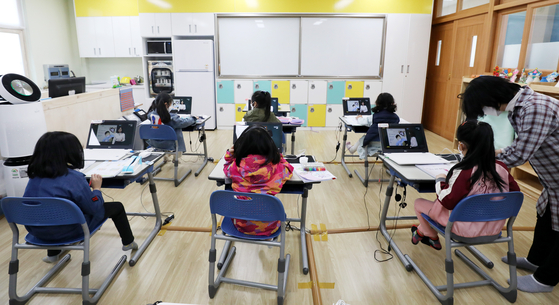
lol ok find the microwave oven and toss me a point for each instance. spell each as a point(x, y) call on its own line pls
point(159, 47)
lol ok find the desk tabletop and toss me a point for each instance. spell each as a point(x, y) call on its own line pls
point(217, 174)
point(408, 172)
point(139, 171)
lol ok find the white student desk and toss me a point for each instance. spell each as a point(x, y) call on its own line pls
point(122, 180)
point(356, 129)
point(407, 175)
point(200, 126)
point(293, 186)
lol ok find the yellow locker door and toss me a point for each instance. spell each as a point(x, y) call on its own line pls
point(317, 116)
point(280, 89)
point(239, 114)
point(354, 89)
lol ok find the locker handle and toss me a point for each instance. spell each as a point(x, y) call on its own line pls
point(349, 87)
point(331, 87)
point(329, 109)
point(293, 86)
point(402, 71)
point(256, 86)
point(220, 86)
point(312, 86)
point(239, 109)
point(276, 86)
point(238, 86)
point(220, 109)
point(312, 109)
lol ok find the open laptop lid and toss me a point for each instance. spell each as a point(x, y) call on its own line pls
point(356, 106)
point(275, 105)
point(182, 104)
point(118, 134)
point(274, 129)
point(398, 138)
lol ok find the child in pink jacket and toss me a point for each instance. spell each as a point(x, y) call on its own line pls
point(255, 165)
point(477, 173)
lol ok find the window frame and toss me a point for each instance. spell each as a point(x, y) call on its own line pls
point(497, 34)
point(20, 30)
point(527, 29)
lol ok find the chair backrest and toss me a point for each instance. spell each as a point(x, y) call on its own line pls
point(487, 207)
point(157, 132)
point(261, 207)
point(41, 211)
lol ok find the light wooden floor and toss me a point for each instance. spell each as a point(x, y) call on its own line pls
point(175, 267)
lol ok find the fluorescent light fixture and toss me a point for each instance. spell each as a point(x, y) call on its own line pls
point(160, 3)
point(473, 51)
point(340, 5)
point(439, 44)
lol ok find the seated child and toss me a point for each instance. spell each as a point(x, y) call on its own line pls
point(261, 109)
point(255, 165)
point(477, 173)
point(383, 112)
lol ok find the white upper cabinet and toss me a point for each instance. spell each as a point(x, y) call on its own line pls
point(155, 24)
point(193, 24)
point(95, 36)
point(136, 36)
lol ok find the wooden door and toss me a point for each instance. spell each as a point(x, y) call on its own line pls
point(434, 111)
point(463, 64)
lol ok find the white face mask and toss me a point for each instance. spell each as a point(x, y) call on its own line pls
point(491, 111)
point(461, 153)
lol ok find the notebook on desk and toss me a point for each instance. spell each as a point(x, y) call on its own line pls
point(356, 106)
point(406, 144)
point(110, 139)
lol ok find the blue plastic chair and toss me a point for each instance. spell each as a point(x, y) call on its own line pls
point(43, 211)
point(476, 208)
point(258, 207)
point(164, 133)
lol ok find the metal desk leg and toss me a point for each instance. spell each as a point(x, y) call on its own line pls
point(205, 153)
point(384, 231)
point(343, 152)
point(293, 142)
point(304, 258)
point(157, 216)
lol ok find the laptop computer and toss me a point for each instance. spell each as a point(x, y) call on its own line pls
point(406, 144)
point(110, 139)
point(355, 106)
point(182, 104)
point(274, 129)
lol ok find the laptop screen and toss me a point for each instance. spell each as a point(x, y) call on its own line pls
point(182, 104)
point(275, 105)
point(118, 134)
point(357, 106)
point(274, 129)
point(396, 138)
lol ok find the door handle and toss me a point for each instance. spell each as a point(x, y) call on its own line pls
point(408, 69)
point(402, 70)
point(99, 51)
point(157, 29)
point(135, 51)
point(152, 31)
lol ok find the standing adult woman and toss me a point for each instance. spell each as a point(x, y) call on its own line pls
point(535, 119)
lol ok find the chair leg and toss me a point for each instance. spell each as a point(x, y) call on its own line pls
point(99, 292)
point(447, 299)
point(283, 271)
point(223, 255)
point(481, 257)
point(214, 285)
point(178, 181)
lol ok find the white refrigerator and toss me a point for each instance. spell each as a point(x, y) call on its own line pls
point(193, 63)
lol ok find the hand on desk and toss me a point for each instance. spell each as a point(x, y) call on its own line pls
point(96, 180)
point(441, 176)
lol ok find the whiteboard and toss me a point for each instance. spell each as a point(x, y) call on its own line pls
point(258, 46)
point(341, 46)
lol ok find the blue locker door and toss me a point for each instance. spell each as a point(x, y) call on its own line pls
point(225, 92)
point(300, 111)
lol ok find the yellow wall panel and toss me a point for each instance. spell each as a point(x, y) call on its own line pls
point(316, 116)
point(280, 89)
point(104, 8)
point(239, 114)
point(186, 6)
point(287, 6)
point(354, 89)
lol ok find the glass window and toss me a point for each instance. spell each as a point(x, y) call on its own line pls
point(510, 39)
point(466, 4)
point(543, 47)
point(9, 14)
point(447, 7)
point(11, 58)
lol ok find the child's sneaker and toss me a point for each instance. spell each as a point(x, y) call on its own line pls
point(433, 243)
point(416, 236)
point(132, 246)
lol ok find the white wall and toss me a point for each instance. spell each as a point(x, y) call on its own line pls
point(50, 37)
point(101, 69)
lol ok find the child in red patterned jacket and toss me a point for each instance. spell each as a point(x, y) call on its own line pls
point(255, 165)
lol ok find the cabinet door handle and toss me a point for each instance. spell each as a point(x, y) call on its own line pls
point(190, 28)
point(129, 51)
point(135, 51)
point(95, 51)
point(408, 69)
point(152, 31)
point(195, 28)
point(157, 29)
point(402, 71)
point(99, 51)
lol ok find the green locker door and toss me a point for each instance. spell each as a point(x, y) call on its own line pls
point(317, 115)
point(335, 92)
point(263, 85)
point(225, 92)
point(299, 111)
